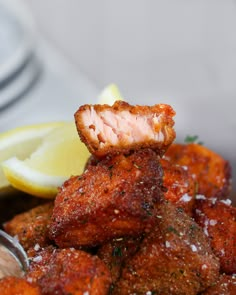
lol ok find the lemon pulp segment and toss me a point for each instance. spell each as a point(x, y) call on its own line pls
point(60, 155)
point(21, 142)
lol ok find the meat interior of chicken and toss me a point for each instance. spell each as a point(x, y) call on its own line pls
point(121, 127)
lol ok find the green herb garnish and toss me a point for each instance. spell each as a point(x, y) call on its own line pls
point(173, 230)
point(192, 139)
point(117, 252)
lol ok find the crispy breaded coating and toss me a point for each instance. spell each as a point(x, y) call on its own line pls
point(218, 219)
point(211, 171)
point(17, 286)
point(180, 186)
point(175, 258)
point(31, 227)
point(69, 271)
point(116, 252)
point(114, 198)
point(178, 183)
point(226, 285)
point(123, 127)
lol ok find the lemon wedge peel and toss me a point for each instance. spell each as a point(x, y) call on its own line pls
point(21, 142)
point(30, 180)
point(24, 133)
point(60, 155)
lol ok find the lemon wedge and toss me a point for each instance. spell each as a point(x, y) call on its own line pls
point(21, 142)
point(109, 95)
point(38, 159)
point(60, 155)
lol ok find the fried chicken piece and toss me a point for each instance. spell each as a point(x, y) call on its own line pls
point(116, 252)
point(69, 271)
point(212, 172)
point(180, 186)
point(17, 286)
point(114, 198)
point(226, 285)
point(31, 227)
point(218, 219)
point(122, 127)
point(175, 258)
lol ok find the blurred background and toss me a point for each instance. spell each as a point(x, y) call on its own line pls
point(178, 52)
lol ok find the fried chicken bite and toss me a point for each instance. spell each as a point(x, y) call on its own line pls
point(211, 171)
point(69, 271)
point(116, 252)
point(114, 198)
point(226, 285)
point(122, 127)
point(180, 185)
point(218, 220)
point(175, 258)
point(18, 286)
point(31, 227)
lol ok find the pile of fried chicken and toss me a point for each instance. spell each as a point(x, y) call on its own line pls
point(147, 216)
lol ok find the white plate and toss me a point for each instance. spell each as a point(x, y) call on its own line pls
point(16, 40)
point(16, 49)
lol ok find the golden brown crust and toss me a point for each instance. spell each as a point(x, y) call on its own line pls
point(116, 252)
point(119, 128)
point(31, 227)
point(218, 219)
point(18, 286)
point(180, 186)
point(226, 285)
point(113, 198)
point(211, 171)
point(175, 258)
point(69, 271)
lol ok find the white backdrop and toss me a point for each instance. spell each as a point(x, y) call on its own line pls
point(178, 51)
point(148, 47)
